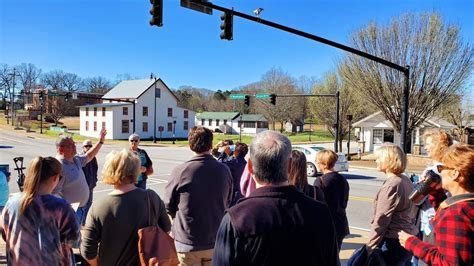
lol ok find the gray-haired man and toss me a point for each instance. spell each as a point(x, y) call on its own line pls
point(73, 185)
point(276, 224)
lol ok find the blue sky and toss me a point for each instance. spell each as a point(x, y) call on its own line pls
point(108, 38)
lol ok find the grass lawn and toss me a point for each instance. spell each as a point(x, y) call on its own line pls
point(317, 135)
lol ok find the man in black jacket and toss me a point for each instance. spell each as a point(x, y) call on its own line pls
point(276, 224)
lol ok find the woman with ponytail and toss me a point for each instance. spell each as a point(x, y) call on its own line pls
point(39, 228)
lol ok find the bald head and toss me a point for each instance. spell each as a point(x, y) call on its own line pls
point(270, 153)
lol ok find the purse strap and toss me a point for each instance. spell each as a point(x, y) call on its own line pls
point(151, 209)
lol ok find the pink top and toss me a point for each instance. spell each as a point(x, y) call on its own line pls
point(247, 184)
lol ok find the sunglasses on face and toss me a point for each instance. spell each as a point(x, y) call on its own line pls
point(88, 146)
point(441, 167)
point(134, 140)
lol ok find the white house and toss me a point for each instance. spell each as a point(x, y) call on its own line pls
point(149, 108)
point(232, 122)
point(374, 130)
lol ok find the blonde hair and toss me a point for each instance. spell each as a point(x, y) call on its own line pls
point(327, 157)
point(441, 141)
point(121, 168)
point(40, 170)
point(393, 158)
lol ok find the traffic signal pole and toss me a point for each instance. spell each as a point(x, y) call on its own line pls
point(404, 69)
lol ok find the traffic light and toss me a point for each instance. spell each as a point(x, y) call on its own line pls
point(247, 100)
point(41, 94)
point(156, 12)
point(66, 97)
point(227, 26)
point(273, 98)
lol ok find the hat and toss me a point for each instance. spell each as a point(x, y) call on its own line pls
point(87, 142)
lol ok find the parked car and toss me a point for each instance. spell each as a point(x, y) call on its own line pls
point(311, 150)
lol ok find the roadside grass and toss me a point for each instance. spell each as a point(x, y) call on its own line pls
point(319, 134)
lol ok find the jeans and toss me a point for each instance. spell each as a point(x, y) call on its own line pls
point(87, 206)
point(394, 254)
point(141, 184)
point(80, 215)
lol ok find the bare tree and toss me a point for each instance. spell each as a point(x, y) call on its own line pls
point(439, 64)
point(350, 102)
point(97, 85)
point(71, 82)
point(287, 108)
point(5, 80)
point(29, 77)
point(458, 113)
point(54, 80)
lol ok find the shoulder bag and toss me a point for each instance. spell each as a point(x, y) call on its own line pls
point(153, 243)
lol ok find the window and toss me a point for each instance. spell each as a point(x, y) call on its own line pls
point(170, 112)
point(87, 111)
point(103, 111)
point(225, 121)
point(95, 125)
point(186, 114)
point(145, 110)
point(217, 122)
point(249, 124)
point(87, 125)
point(125, 126)
point(202, 122)
point(145, 127)
point(125, 111)
point(157, 93)
point(377, 136)
point(388, 135)
point(170, 127)
point(262, 124)
point(103, 124)
point(95, 111)
point(210, 122)
point(185, 125)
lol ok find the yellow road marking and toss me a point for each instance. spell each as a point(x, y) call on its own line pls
point(361, 198)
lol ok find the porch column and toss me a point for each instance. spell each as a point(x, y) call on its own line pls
point(417, 136)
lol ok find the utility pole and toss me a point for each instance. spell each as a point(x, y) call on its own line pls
point(337, 127)
point(12, 96)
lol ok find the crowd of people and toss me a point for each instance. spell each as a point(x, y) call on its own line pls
point(237, 204)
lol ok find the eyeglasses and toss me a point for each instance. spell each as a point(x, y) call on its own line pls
point(134, 140)
point(88, 146)
point(441, 167)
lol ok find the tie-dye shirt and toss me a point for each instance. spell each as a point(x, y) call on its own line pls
point(43, 234)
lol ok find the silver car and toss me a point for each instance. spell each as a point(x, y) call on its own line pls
point(311, 150)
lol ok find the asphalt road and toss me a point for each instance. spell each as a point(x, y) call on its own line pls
point(364, 183)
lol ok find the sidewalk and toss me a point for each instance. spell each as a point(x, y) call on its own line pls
point(352, 242)
point(415, 165)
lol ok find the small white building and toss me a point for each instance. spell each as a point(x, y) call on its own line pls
point(232, 122)
point(149, 109)
point(375, 129)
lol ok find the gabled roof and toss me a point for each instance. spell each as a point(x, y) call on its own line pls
point(253, 118)
point(217, 115)
point(129, 89)
point(439, 122)
point(133, 89)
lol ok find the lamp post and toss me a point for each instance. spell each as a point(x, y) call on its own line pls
point(174, 131)
point(349, 118)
